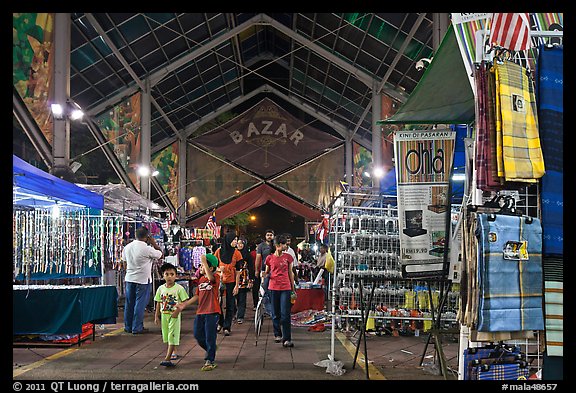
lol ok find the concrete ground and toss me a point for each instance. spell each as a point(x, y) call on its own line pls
point(116, 355)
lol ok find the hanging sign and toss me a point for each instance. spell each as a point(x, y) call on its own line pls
point(463, 17)
point(423, 166)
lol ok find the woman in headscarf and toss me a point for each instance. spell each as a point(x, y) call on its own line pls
point(245, 273)
point(228, 256)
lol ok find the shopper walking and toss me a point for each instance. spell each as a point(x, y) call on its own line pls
point(245, 279)
point(138, 256)
point(256, 283)
point(279, 270)
point(228, 256)
point(262, 251)
point(208, 310)
point(168, 295)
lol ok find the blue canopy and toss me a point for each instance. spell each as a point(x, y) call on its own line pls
point(33, 185)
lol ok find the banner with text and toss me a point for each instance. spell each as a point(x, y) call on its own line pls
point(423, 166)
point(266, 140)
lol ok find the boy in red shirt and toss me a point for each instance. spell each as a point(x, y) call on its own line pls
point(208, 310)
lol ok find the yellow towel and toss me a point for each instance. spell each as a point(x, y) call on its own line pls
point(519, 155)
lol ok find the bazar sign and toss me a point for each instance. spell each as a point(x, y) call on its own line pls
point(267, 127)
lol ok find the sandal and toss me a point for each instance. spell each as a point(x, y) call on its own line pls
point(175, 357)
point(167, 363)
point(208, 367)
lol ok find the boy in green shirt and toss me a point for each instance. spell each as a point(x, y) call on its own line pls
point(167, 297)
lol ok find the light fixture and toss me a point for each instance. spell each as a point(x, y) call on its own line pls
point(252, 217)
point(378, 172)
point(155, 173)
point(57, 111)
point(143, 171)
point(366, 173)
point(70, 109)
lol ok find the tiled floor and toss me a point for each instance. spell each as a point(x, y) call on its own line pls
point(116, 355)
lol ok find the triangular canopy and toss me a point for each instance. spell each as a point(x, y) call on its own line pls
point(258, 197)
point(35, 185)
point(443, 95)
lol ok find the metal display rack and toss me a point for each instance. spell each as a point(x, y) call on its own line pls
point(368, 289)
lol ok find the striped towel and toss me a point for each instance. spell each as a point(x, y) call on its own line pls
point(553, 295)
point(509, 280)
point(501, 372)
point(519, 155)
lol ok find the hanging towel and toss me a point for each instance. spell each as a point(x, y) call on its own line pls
point(510, 274)
point(518, 144)
point(550, 88)
point(554, 298)
point(552, 200)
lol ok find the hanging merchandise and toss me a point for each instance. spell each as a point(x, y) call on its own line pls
point(519, 155)
point(509, 273)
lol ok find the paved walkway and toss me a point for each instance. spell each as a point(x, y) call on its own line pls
point(116, 355)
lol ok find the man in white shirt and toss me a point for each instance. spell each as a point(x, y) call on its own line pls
point(138, 256)
point(289, 250)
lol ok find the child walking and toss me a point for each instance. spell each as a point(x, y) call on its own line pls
point(168, 295)
point(208, 310)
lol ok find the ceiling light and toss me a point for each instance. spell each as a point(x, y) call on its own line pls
point(76, 114)
point(155, 173)
point(378, 172)
point(143, 171)
point(57, 111)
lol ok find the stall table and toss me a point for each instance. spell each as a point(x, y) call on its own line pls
point(308, 299)
point(51, 309)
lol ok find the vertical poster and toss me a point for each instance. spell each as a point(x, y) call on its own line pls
point(166, 163)
point(33, 63)
point(423, 165)
point(121, 126)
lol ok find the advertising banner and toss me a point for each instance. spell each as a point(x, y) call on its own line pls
point(423, 166)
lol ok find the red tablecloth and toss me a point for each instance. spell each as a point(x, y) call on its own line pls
point(308, 299)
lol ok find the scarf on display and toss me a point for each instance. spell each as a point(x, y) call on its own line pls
point(226, 250)
point(519, 156)
point(485, 164)
point(550, 88)
point(509, 273)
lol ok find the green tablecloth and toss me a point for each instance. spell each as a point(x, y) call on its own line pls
point(62, 310)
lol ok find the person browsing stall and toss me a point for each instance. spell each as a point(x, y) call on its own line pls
point(138, 255)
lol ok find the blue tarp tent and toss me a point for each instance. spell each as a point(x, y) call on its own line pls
point(33, 185)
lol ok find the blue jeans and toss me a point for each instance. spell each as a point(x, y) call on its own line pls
point(281, 314)
point(241, 302)
point(266, 297)
point(205, 333)
point(137, 296)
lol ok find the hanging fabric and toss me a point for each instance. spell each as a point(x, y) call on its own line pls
point(509, 273)
point(519, 155)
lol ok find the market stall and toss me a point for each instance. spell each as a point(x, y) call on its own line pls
point(57, 246)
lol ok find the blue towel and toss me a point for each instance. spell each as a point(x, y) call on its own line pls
point(510, 280)
point(552, 213)
point(549, 97)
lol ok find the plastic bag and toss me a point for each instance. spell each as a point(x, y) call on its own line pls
point(332, 367)
point(329, 265)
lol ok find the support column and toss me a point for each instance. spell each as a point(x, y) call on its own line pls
point(376, 135)
point(182, 180)
point(349, 161)
point(61, 86)
point(146, 140)
point(440, 23)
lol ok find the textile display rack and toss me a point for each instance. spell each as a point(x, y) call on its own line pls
point(57, 241)
point(492, 215)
